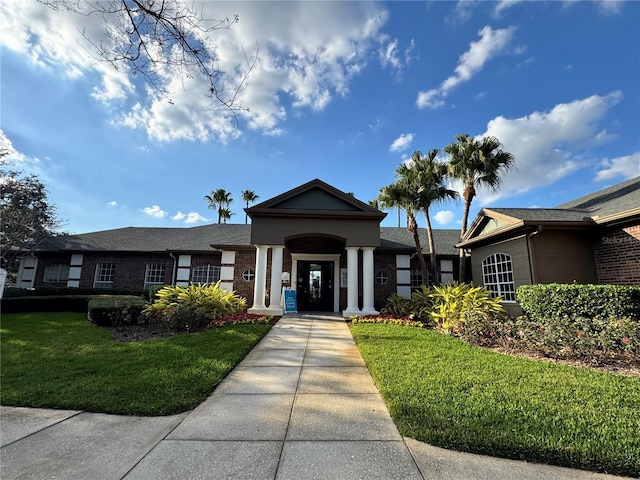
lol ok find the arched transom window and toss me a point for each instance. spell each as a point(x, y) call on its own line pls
point(497, 276)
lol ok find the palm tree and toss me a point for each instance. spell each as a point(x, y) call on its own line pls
point(225, 214)
point(476, 163)
point(401, 194)
point(219, 199)
point(428, 176)
point(248, 196)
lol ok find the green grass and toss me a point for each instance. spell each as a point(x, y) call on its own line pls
point(60, 360)
point(444, 392)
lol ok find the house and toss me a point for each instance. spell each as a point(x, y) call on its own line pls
point(593, 239)
point(323, 243)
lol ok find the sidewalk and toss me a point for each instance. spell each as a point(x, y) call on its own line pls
point(301, 405)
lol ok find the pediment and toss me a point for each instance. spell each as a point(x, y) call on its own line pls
point(314, 197)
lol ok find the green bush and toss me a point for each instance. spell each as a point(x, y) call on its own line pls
point(26, 304)
point(44, 291)
point(546, 301)
point(398, 306)
point(458, 309)
point(193, 307)
point(13, 292)
point(422, 304)
point(454, 304)
point(594, 339)
point(115, 310)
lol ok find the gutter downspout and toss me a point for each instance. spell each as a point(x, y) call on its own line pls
point(175, 263)
point(530, 254)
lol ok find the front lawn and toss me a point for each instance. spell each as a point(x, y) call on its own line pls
point(445, 392)
point(60, 360)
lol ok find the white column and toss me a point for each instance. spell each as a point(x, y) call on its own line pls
point(260, 281)
point(352, 282)
point(367, 282)
point(276, 280)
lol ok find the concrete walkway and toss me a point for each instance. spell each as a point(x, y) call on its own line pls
point(301, 405)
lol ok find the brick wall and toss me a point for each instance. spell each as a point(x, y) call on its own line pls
point(384, 262)
point(245, 259)
point(617, 253)
point(43, 262)
point(129, 271)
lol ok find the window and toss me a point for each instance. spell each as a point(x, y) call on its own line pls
point(249, 275)
point(382, 277)
point(56, 273)
point(497, 275)
point(446, 271)
point(416, 278)
point(154, 275)
point(205, 274)
point(105, 273)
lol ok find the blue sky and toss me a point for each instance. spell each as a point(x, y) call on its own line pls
point(342, 91)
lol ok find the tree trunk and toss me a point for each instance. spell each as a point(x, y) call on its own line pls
point(413, 228)
point(469, 193)
point(432, 249)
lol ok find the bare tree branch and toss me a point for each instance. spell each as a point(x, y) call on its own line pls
point(158, 38)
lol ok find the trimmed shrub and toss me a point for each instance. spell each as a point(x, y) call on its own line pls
point(46, 291)
point(554, 301)
point(115, 310)
point(69, 303)
point(589, 338)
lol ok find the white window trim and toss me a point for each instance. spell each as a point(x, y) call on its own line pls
point(97, 283)
point(157, 269)
point(491, 280)
point(209, 268)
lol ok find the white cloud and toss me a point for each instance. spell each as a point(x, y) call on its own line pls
point(308, 54)
point(462, 12)
point(58, 41)
point(401, 143)
point(444, 217)
point(502, 5)
point(155, 211)
point(113, 203)
point(191, 217)
point(610, 7)
point(550, 145)
point(625, 167)
point(7, 146)
point(491, 43)
point(390, 55)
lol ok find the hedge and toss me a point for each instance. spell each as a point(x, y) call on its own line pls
point(12, 292)
point(549, 301)
point(115, 310)
point(68, 303)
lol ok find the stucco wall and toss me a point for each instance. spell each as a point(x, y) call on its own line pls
point(563, 256)
point(274, 230)
point(516, 248)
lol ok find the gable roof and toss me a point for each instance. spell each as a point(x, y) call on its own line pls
point(394, 238)
point(150, 239)
point(611, 202)
point(315, 198)
point(617, 203)
point(207, 238)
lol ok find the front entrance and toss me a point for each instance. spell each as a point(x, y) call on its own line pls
point(315, 286)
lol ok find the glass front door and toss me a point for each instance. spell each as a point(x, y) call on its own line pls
point(315, 286)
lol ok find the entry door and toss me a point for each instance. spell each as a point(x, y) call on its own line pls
point(315, 286)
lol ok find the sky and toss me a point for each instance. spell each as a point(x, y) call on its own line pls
point(341, 91)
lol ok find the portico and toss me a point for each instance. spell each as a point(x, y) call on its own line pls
point(329, 238)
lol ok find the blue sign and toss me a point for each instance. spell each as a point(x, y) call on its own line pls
point(290, 302)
